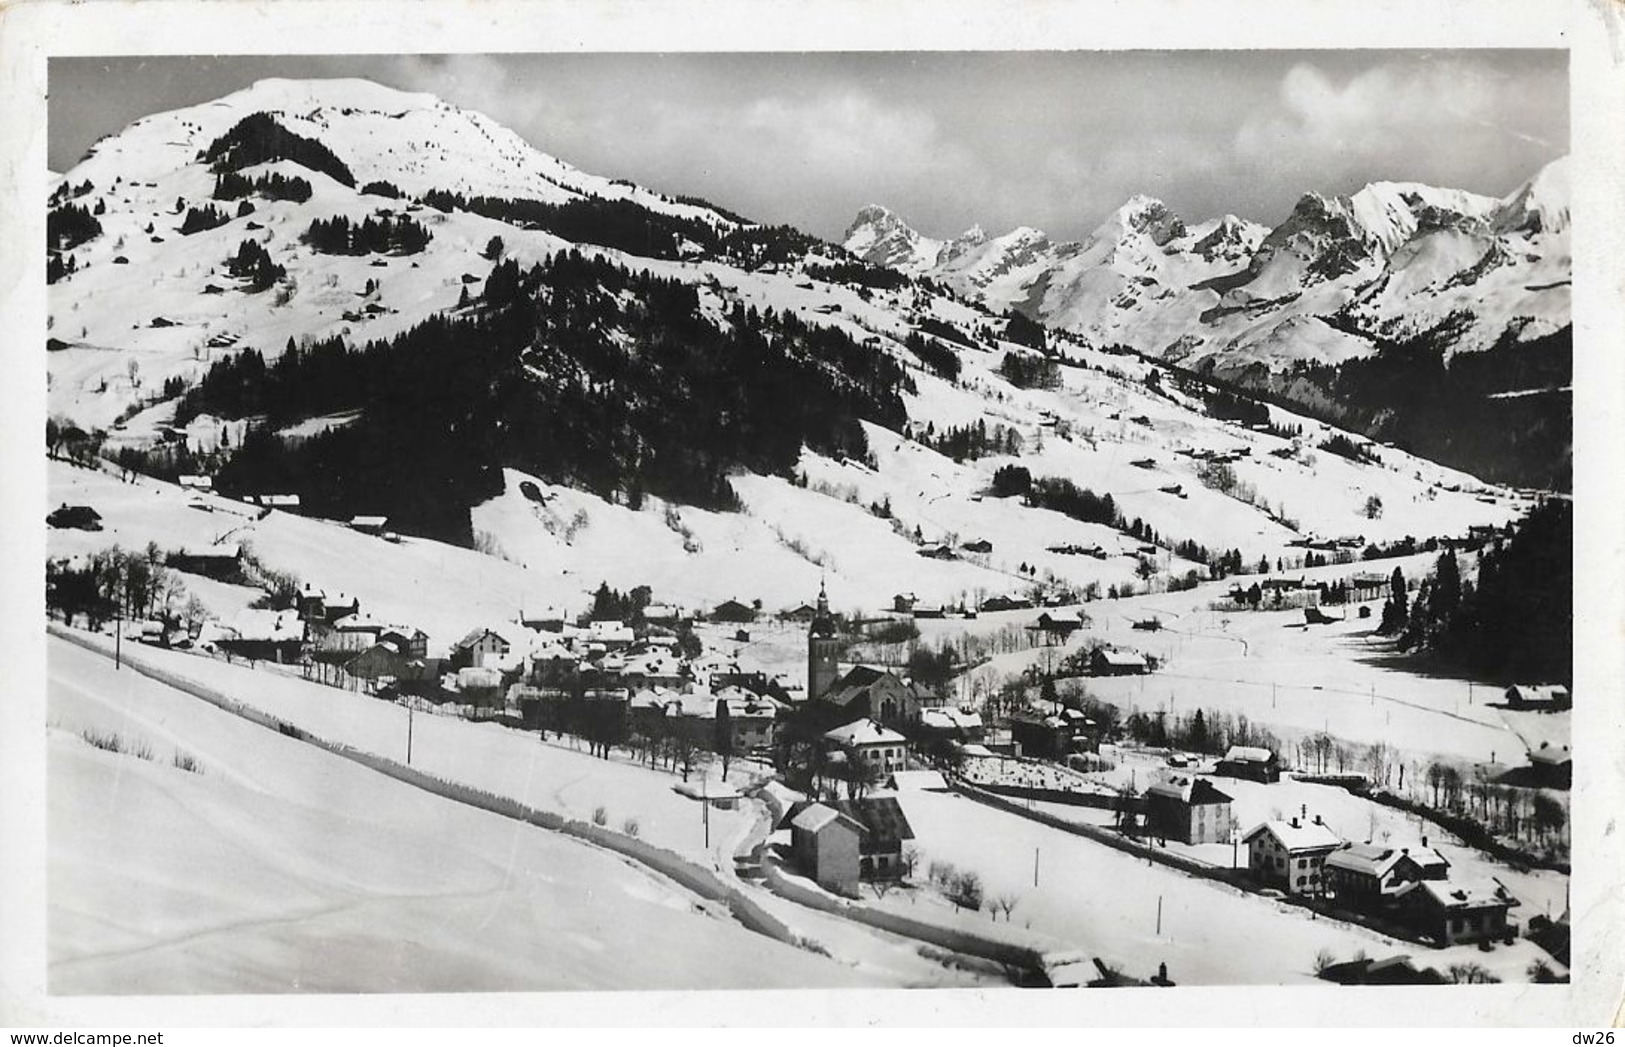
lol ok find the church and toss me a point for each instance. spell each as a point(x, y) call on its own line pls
point(863, 691)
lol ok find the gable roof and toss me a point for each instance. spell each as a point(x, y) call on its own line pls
point(1475, 894)
point(1366, 858)
point(864, 732)
point(881, 816)
point(1248, 754)
point(1305, 836)
point(1111, 657)
point(1197, 792)
point(815, 816)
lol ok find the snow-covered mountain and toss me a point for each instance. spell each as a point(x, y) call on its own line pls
point(555, 355)
point(1393, 261)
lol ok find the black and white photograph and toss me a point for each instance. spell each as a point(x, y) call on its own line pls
point(876, 516)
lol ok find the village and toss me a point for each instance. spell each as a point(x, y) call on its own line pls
point(852, 774)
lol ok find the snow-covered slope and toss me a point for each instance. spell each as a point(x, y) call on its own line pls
point(277, 867)
point(1393, 260)
point(906, 518)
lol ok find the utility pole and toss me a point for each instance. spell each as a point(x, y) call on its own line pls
point(1035, 866)
point(705, 812)
point(409, 736)
point(1159, 914)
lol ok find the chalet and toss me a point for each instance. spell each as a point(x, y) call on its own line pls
point(1249, 762)
point(1552, 766)
point(732, 611)
point(613, 635)
point(1395, 970)
point(1148, 463)
point(375, 525)
point(1058, 625)
point(480, 648)
point(662, 614)
point(271, 636)
point(547, 620)
point(75, 517)
point(805, 613)
point(1368, 876)
point(1005, 603)
point(1290, 854)
point(193, 482)
point(954, 724)
point(903, 603)
point(339, 605)
point(385, 662)
point(353, 632)
point(413, 643)
point(882, 748)
point(287, 502)
point(1362, 587)
point(978, 545)
point(826, 845)
point(1104, 661)
point(220, 562)
point(1549, 697)
point(885, 830)
point(1189, 810)
point(1046, 738)
point(1451, 912)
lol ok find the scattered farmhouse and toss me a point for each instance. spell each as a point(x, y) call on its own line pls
point(1104, 661)
point(1250, 762)
point(1549, 697)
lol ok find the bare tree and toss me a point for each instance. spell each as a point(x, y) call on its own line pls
point(1005, 903)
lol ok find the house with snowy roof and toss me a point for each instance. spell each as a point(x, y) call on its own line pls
point(1188, 809)
point(954, 724)
point(825, 844)
point(1452, 912)
point(1105, 661)
point(877, 745)
point(1548, 697)
point(1290, 854)
point(271, 636)
point(1552, 765)
point(221, 562)
point(1369, 876)
point(1251, 763)
point(482, 647)
point(369, 524)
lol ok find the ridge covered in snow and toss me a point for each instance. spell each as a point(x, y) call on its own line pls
point(1394, 260)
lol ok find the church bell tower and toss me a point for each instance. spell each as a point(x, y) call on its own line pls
point(823, 650)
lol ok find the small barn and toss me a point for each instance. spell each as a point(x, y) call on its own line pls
point(1250, 763)
point(885, 830)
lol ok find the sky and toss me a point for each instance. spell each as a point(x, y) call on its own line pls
point(1054, 140)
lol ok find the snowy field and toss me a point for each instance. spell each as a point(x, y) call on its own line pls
point(1106, 902)
point(282, 868)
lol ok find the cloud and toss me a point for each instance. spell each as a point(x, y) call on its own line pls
point(1411, 117)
